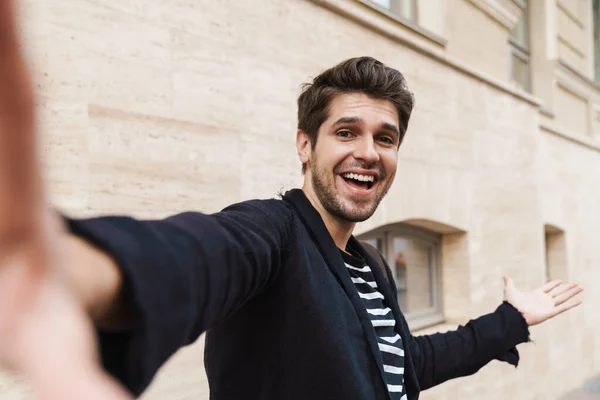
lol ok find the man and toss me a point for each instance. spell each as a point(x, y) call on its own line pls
point(294, 307)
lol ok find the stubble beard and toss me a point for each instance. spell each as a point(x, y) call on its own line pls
point(324, 187)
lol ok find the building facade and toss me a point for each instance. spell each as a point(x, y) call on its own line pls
point(154, 107)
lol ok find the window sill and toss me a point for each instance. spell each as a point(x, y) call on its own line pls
point(428, 330)
point(505, 12)
point(546, 112)
point(588, 142)
point(565, 66)
point(423, 321)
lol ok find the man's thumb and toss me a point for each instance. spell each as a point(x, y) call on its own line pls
point(509, 284)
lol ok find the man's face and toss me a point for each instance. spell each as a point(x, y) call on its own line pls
point(354, 161)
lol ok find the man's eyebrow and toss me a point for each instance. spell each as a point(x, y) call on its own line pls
point(391, 127)
point(348, 120)
point(356, 120)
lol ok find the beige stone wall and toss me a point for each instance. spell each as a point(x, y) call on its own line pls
point(477, 39)
point(571, 110)
point(151, 108)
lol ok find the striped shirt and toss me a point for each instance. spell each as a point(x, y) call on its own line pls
point(390, 342)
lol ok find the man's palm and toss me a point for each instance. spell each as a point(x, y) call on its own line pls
point(543, 303)
point(44, 332)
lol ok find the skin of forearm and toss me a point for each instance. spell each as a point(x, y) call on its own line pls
point(97, 283)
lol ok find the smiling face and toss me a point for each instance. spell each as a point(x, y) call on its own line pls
point(353, 164)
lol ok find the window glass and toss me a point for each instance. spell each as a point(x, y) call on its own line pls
point(520, 67)
point(520, 32)
point(382, 3)
point(413, 271)
point(413, 256)
point(403, 8)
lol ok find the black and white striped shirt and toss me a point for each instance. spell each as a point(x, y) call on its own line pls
point(390, 342)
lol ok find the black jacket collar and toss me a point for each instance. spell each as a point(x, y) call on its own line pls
point(331, 253)
point(313, 222)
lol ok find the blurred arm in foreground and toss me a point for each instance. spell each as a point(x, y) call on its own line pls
point(45, 332)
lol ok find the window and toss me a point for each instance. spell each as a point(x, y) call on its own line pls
point(596, 33)
point(414, 257)
point(406, 9)
point(556, 260)
point(520, 69)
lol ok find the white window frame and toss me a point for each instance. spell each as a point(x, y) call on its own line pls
point(385, 237)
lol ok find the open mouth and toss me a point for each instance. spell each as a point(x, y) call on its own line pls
point(359, 181)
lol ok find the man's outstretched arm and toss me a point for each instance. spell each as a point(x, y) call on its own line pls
point(176, 278)
point(44, 332)
point(97, 283)
point(59, 281)
point(464, 351)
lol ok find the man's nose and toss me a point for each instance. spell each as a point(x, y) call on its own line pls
point(366, 150)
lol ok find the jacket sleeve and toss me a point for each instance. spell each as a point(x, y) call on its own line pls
point(443, 356)
point(184, 274)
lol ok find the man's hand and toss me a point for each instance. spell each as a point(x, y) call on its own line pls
point(543, 303)
point(44, 331)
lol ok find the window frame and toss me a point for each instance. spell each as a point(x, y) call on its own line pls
point(522, 50)
point(596, 38)
point(555, 253)
point(395, 8)
point(384, 236)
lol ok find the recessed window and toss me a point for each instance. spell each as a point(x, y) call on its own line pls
point(520, 66)
point(596, 23)
point(406, 9)
point(556, 254)
point(414, 258)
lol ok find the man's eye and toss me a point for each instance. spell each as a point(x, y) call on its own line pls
point(344, 133)
point(386, 140)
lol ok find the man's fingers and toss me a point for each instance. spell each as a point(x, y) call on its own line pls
point(16, 93)
point(20, 183)
point(8, 33)
point(567, 294)
point(565, 306)
point(557, 291)
point(551, 285)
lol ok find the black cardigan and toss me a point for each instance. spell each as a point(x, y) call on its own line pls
point(267, 283)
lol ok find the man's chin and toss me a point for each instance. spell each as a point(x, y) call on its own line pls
point(356, 218)
point(353, 213)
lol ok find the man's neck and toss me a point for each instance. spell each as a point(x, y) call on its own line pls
point(339, 230)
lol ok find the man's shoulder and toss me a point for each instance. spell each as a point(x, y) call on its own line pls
point(271, 208)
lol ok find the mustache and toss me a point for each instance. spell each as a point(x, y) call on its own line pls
point(374, 167)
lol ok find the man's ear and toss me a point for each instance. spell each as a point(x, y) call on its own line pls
point(303, 146)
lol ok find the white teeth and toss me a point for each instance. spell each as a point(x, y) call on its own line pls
point(362, 178)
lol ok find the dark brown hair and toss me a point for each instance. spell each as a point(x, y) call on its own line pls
point(356, 75)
